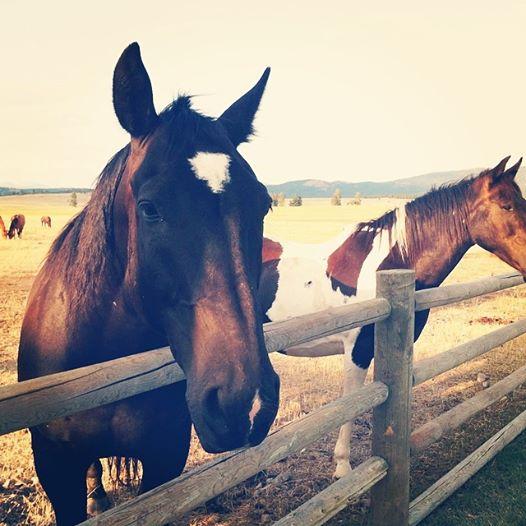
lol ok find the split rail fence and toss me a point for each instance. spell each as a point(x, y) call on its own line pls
point(386, 473)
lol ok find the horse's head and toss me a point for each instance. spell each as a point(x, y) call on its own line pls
point(195, 237)
point(497, 219)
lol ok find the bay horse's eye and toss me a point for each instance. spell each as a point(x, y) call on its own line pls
point(148, 211)
point(508, 208)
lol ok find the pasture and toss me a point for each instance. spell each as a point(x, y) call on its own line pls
point(306, 383)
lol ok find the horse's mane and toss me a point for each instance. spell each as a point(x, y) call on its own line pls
point(443, 210)
point(84, 250)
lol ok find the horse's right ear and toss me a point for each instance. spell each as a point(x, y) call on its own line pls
point(132, 93)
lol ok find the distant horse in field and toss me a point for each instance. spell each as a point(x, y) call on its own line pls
point(18, 221)
point(429, 235)
point(166, 252)
point(3, 231)
point(46, 221)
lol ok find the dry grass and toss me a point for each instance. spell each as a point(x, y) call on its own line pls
point(306, 383)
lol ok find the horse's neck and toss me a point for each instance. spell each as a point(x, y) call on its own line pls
point(438, 250)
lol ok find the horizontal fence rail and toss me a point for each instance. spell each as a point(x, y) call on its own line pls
point(425, 503)
point(181, 495)
point(336, 497)
point(435, 429)
point(447, 294)
point(34, 402)
point(427, 299)
point(443, 362)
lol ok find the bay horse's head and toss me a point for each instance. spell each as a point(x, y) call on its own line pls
point(195, 237)
point(497, 218)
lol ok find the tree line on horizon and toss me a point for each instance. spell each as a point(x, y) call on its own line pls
point(278, 199)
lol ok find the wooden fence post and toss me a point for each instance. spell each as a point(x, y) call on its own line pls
point(393, 361)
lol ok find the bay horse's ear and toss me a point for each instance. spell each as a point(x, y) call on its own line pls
point(132, 93)
point(512, 172)
point(500, 168)
point(238, 118)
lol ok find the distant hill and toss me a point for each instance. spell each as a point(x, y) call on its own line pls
point(407, 187)
point(5, 190)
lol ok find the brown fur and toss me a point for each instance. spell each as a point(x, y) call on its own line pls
point(3, 231)
point(18, 222)
point(154, 259)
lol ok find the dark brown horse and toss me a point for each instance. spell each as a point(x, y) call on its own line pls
point(3, 231)
point(167, 251)
point(18, 221)
point(429, 235)
point(45, 221)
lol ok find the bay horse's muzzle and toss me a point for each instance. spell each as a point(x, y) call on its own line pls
point(232, 416)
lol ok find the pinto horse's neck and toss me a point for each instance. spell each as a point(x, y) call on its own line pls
point(429, 235)
point(436, 242)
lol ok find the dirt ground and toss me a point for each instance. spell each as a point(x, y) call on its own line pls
point(306, 383)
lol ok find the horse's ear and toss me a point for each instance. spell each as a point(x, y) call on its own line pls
point(238, 118)
point(510, 173)
point(132, 93)
point(500, 168)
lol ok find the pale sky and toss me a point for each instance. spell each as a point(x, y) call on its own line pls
point(358, 90)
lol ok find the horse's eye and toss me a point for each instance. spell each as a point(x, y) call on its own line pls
point(148, 211)
point(508, 208)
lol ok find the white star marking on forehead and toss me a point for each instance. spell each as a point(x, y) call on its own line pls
point(212, 168)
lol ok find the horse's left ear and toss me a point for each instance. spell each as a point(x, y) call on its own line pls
point(500, 174)
point(238, 118)
point(498, 170)
point(512, 172)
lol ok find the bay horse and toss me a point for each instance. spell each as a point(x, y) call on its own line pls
point(3, 231)
point(166, 252)
point(429, 235)
point(45, 221)
point(18, 222)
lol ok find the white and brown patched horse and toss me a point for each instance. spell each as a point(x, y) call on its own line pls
point(429, 235)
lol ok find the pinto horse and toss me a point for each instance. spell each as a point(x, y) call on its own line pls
point(166, 252)
point(45, 221)
point(18, 222)
point(429, 235)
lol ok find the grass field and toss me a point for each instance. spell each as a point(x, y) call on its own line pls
point(306, 384)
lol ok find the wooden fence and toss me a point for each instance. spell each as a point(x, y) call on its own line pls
point(386, 473)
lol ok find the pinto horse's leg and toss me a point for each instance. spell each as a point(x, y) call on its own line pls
point(354, 373)
point(62, 473)
point(354, 379)
point(98, 500)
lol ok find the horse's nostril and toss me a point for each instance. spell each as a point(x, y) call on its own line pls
point(212, 401)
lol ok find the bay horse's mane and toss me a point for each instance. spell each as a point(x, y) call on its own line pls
point(443, 210)
point(84, 251)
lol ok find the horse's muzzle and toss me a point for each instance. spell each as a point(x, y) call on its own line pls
point(227, 419)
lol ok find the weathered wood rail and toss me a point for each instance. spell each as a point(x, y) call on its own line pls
point(34, 402)
point(386, 473)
